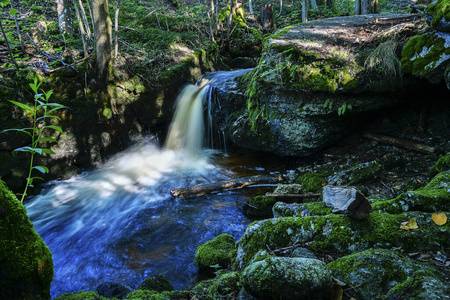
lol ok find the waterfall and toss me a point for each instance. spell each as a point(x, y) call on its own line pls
point(187, 128)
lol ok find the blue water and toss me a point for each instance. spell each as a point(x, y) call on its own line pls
point(119, 223)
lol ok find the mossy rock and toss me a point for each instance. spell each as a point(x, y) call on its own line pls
point(438, 15)
point(259, 206)
point(153, 295)
point(156, 283)
point(312, 182)
point(427, 56)
point(281, 209)
point(377, 272)
point(27, 265)
point(226, 286)
point(82, 296)
point(435, 196)
point(443, 164)
point(218, 252)
point(341, 234)
point(359, 174)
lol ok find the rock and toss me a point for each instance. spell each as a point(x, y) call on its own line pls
point(340, 234)
point(243, 63)
point(156, 283)
point(226, 286)
point(384, 274)
point(347, 200)
point(288, 278)
point(447, 80)
point(288, 189)
point(312, 182)
point(308, 91)
point(26, 262)
point(217, 252)
point(435, 196)
point(361, 173)
point(259, 206)
point(81, 295)
point(443, 164)
point(427, 55)
point(303, 252)
point(114, 290)
point(281, 209)
point(438, 15)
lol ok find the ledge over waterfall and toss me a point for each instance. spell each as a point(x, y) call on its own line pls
point(316, 82)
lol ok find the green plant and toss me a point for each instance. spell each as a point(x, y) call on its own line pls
point(383, 59)
point(40, 112)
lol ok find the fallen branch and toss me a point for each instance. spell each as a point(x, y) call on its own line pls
point(292, 196)
point(236, 183)
point(400, 143)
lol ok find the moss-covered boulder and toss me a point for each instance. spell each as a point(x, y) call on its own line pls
point(312, 87)
point(312, 182)
point(153, 295)
point(288, 278)
point(427, 55)
point(359, 174)
point(433, 197)
point(379, 272)
point(25, 260)
point(319, 208)
point(443, 164)
point(227, 286)
point(81, 295)
point(114, 290)
point(438, 15)
point(341, 234)
point(218, 252)
point(259, 206)
point(156, 283)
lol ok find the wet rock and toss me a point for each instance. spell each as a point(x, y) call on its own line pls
point(26, 262)
point(312, 182)
point(81, 295)
point(217, 252)
point(156, 283)
point(288, 189)
point(281, 209)
point(303, 252)
point(443, 164)
point(288, 278)
point(113, 290)
point(361, 173)
point(226, 286)
point(347, 200)
point(384, 274)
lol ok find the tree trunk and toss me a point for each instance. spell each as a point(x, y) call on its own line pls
point(364, 7)
point(80, 23)
point(18, 30)
point(116, 30)
point(7, 44)
point(65, 16)
point(304, 11)
point(357, 7)
point(314, 4)
point(267, 17)
point(103, 39)
point(250, 6)
point(85, 20)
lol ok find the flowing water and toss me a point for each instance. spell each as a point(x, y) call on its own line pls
point(119, 222)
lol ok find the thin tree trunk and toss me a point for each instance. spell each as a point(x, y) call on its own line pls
point(103, 39)
point(314, 4)
point(250, 6)
point(80, 23)
point(65, 19)
point(357, 7)
point(281, 6)
point(85, 20)
point(18, 30)
point(230, 19)
point(364, 7)
point(7, 45)
point(304, 11)
point(90, 11)
point(116, 30)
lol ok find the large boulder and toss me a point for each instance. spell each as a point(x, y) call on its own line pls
point(313, 86)
point(26, 262)
point(438, 15)
point(283, 278)
point(217, 253)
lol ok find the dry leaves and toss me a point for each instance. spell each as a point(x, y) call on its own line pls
point(439, 218)
point(411, 224)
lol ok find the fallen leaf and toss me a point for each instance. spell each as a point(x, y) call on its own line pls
point(411, 224)
point(439, 218)
point(362, 32)
point(376, 21)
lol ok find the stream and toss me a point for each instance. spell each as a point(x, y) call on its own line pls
point(119, 223)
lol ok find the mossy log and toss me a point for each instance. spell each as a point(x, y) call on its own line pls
point(400, 143)
point(236, 183)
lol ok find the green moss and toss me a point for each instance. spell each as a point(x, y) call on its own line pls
point(259, 206)
point(443, 164)
point(339, 233)
point(81, 296)
point(227, 286)
point(422, 53)
point(439, 10)
point(435, 196)
point(27, 266)
point(359, 174)
point(219, 251)
point(152, 295)
point(312, 182)
point(315, 208)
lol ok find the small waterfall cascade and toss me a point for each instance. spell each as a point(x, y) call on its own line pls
point(187, 128)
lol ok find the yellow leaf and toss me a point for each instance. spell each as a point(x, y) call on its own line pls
point(439, 218)
point(396, 187)
point(376, 21)
point(411, 224)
